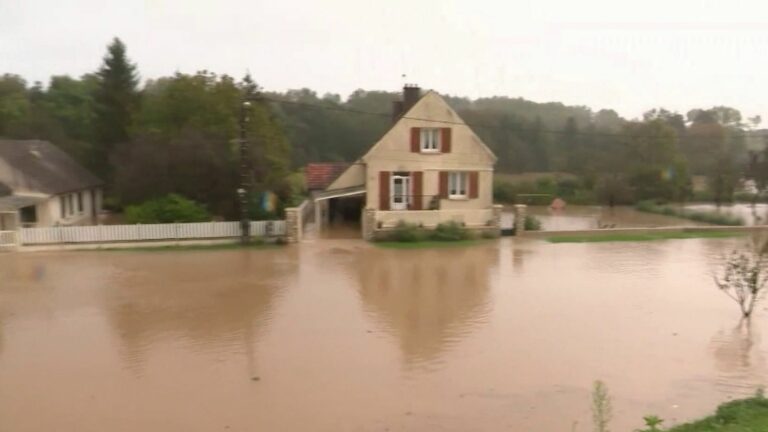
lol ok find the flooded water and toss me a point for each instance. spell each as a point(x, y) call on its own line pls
point(338, 335)
point(592, 217)
point(752, 214)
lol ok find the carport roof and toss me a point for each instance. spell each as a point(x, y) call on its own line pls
point(339, 193)
point(15, 202)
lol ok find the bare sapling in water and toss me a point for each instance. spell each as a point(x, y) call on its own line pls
point(742, 276)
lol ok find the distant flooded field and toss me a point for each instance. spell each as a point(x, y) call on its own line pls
point(339, 335)
point(752, 214)
point(592, 217)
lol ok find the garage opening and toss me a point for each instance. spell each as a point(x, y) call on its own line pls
point(338, 212)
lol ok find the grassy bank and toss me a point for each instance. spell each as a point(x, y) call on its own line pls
point(710, 217)
point(746, 415)
point(622, 237)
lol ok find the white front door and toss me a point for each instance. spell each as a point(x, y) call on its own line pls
point(401, 188)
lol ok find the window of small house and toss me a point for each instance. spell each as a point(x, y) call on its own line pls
point(79, 202)
point(63, 206)
point(28, 215)
point(71, 203)
point(430, 139)
point(457, 184)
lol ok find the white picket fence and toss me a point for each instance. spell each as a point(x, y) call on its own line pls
point(139, 232)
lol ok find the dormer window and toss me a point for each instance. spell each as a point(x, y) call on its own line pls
point(430, 140)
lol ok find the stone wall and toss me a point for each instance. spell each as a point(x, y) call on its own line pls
point(369, 224)
point(293, 225)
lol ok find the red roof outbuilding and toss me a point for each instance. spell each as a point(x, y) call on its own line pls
point(320, 175)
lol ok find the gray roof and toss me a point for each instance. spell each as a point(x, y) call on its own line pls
point(15, 202)
point(39, 166)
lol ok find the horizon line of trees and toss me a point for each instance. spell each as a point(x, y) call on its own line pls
point(177, 134)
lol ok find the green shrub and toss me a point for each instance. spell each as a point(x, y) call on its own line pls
point(652, 424)
point(532, 223)
point(489, 234)
point(703, 196)
point(582, 197)
point(546, 185)
point(168, 209)
point(449, 231)
point(567, 187)
point(503, 191)
point(406, 232)
point(542, 191)
point(739, 415)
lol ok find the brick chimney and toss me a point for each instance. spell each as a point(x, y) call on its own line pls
point(411, 95)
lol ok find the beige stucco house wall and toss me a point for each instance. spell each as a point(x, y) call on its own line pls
point(401, 152)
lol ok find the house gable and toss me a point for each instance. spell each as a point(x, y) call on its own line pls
point(431, 112)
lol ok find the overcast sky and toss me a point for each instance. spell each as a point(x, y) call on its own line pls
point(629, 56)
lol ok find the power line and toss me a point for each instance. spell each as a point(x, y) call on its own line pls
point(471, 125)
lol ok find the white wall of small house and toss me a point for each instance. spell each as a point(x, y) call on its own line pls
point(393, 154)
point(51, 213)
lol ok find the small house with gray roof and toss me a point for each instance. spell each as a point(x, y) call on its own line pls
point(42, 186)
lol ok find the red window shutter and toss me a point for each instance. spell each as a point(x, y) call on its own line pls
point(384, 190)
point(415, 139)
point(473, 186)
point(443, 184)
point(445, 140)
point(418, 189)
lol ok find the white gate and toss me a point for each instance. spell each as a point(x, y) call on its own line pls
point(8, 239)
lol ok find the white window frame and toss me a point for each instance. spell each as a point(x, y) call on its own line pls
point(430, 140)
point(458, 185)
point(405, 196)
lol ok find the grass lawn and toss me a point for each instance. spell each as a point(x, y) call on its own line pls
point(427, 244)
point(745, 415)
point(591, 238)
point(192, 247)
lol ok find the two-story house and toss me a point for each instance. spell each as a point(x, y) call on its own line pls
point(430, 167)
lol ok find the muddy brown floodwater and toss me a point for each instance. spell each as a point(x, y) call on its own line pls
point(338, 335)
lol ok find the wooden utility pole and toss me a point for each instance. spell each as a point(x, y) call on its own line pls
point(245, 176)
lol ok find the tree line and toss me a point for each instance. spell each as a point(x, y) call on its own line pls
point(178, 134)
